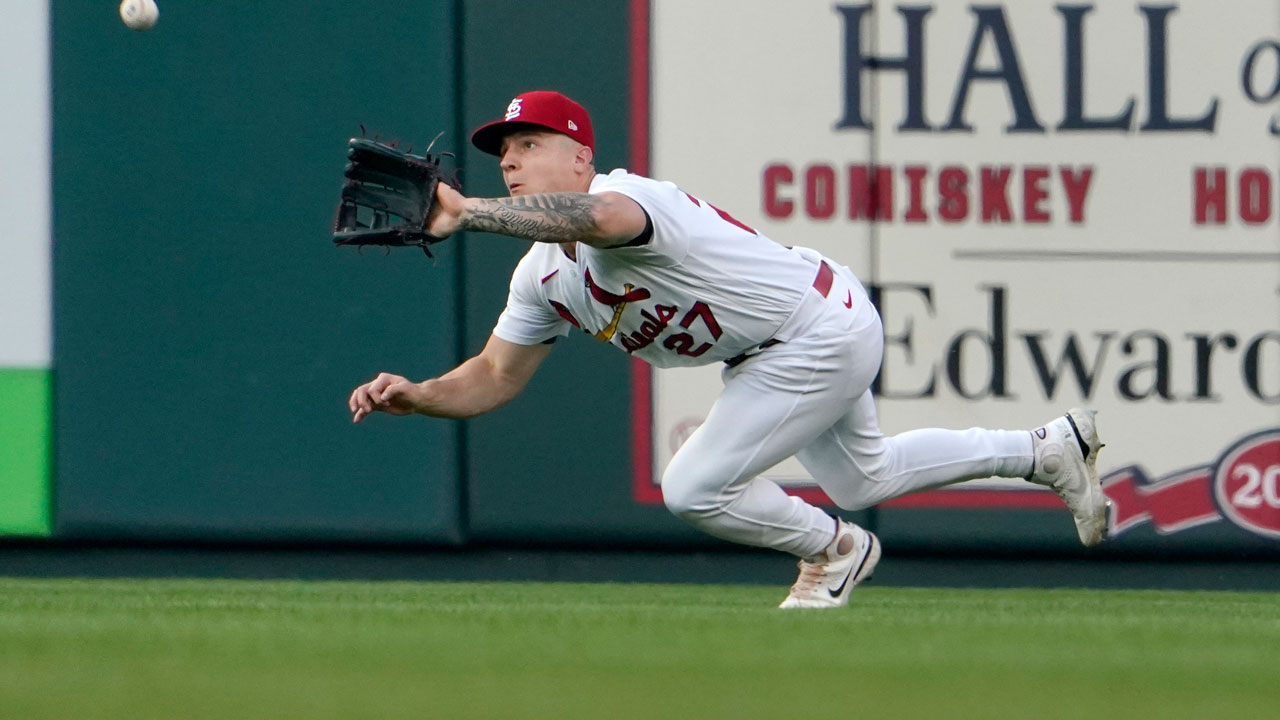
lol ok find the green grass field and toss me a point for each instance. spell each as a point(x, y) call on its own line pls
point(143, 649)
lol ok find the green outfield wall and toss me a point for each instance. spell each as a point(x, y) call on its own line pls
point(206, 335)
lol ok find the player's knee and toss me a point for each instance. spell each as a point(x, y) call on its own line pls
point(869, 484)
point(853, 499)
point(684, 503)
point(875, 470)
point(685, 497)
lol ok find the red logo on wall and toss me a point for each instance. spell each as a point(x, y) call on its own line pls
point(1247, 484)
point(1243, 486)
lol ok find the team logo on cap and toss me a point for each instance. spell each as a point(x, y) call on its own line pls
point(573, 125)
point(513, 110)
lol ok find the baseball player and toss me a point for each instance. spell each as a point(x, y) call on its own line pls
point(672, 279)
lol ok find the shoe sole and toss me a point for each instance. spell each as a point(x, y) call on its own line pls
point(1094, 526)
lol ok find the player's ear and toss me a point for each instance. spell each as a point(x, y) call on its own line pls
point(585, 157)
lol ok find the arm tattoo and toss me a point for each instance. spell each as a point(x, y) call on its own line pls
point(545, 217)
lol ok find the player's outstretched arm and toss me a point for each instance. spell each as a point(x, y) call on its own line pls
point(485, 382)
point(601, 220)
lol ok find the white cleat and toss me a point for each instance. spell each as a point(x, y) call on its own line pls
point(825, 581)
point(1066, 454)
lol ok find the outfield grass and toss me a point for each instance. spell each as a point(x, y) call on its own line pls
point(143, 649)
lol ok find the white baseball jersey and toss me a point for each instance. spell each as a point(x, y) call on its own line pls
point(703, 288)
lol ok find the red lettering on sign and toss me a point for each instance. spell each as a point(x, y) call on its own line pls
point(869, 198)
point(820, 191)
point(953, 194)
point(1034, 194)
point(774, 205)
point(1255, 196)
point(995, 195)
point(1211, 196)
point(915, 184)
point(1077, 188)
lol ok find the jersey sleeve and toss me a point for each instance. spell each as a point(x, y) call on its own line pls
point(662, 202)
point(529, 318)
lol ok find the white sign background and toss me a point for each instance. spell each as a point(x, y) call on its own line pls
point(25, 187)
point(740, 86)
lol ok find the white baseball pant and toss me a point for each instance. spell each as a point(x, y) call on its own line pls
point(810, 397)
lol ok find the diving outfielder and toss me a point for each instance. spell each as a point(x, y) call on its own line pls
point(673, 280)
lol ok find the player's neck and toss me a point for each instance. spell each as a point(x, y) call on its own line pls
point(578, 184)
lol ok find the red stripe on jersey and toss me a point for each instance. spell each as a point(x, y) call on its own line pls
point(564, 313)
point(548, 277)
point(822, 283)
point(731, 219)
point(723, 215)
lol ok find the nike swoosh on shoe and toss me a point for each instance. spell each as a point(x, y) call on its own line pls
point(836, 593)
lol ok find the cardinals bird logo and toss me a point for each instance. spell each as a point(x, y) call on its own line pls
point(618, 302)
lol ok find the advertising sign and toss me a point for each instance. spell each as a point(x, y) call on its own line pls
point(1053, 205)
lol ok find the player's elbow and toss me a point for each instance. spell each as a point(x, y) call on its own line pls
point(617, 218)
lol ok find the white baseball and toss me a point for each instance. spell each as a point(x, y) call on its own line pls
point(139, 14)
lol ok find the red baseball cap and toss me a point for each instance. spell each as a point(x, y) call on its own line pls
point(539, 108)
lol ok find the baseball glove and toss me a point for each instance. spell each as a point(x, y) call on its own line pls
point(388, 196)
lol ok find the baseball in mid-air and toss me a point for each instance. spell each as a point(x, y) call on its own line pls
point(139, 14)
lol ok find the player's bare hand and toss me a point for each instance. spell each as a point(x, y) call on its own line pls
point(391, 394)
point(446, 214)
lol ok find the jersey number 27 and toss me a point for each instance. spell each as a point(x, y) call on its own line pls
point(682, 343)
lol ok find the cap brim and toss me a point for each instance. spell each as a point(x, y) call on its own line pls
point(488, 138)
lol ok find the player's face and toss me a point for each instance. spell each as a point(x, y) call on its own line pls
point(538, 161)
